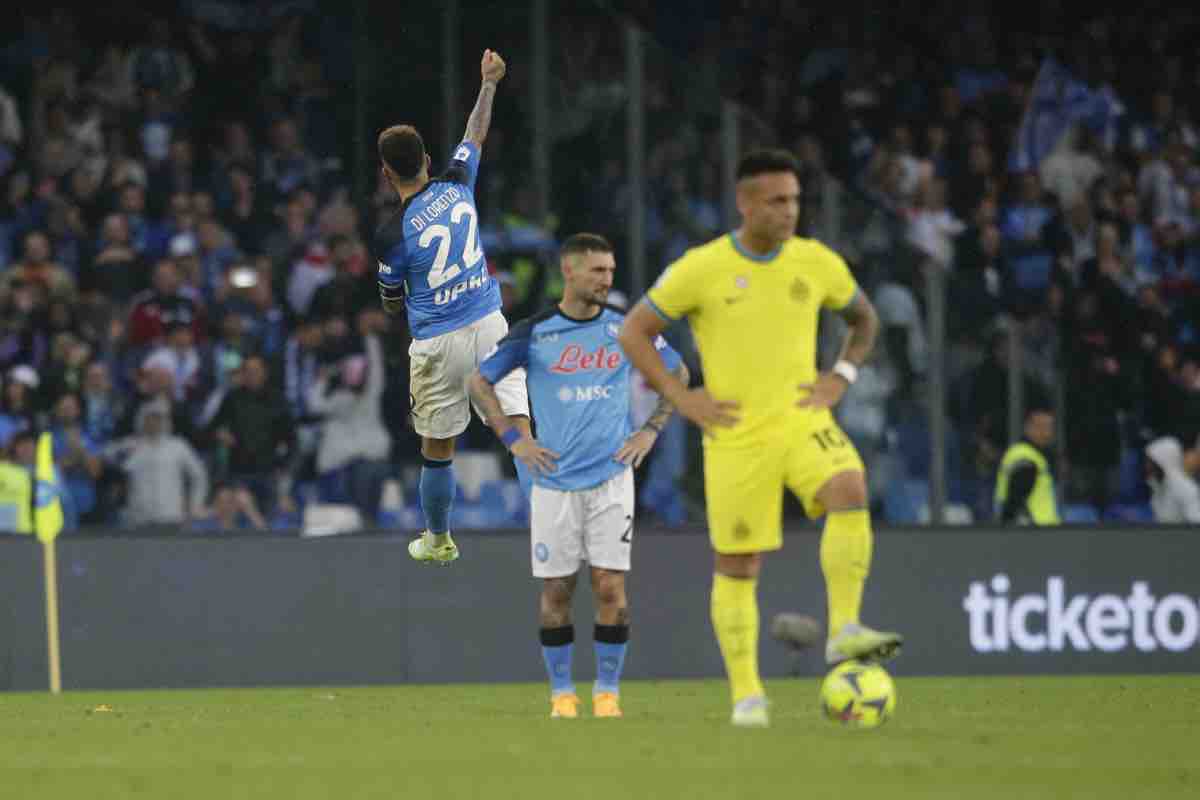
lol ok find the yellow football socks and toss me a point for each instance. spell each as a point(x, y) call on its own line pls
point(845, 560)
point(735, 620)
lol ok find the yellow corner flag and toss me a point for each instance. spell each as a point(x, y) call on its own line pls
point(47, 504)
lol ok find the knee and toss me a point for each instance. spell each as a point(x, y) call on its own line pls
point(437, 449)
point(844, 492)
point(555, 603)
point(738, 565)
point(609, 590)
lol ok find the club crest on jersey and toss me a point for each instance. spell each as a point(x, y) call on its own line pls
point(741, 282)
point(614, 330)
point(573, 359)
point(799, 290)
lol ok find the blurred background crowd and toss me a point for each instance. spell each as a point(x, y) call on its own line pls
point(187, 294)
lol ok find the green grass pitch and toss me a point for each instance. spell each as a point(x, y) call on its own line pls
point(973, 738)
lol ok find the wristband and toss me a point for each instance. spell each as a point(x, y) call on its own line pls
point(509, 437)
point(846, 370)
point(653, 427)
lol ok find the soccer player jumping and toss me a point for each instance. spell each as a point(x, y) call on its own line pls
point(431, 264)
point(582, 460)
point(753, 299)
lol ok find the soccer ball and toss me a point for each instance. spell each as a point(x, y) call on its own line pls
point(858, 694)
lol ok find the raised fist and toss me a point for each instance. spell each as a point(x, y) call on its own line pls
point(492, 66)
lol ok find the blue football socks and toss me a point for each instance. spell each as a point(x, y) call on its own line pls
point(437, 494)
point(610, 642)
point(557, 646)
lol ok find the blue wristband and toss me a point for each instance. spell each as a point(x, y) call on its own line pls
point(510, 436)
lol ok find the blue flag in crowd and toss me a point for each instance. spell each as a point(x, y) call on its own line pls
point(1056, 103)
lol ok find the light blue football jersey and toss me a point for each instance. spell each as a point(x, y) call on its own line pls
point(430, 253)
point(579, 390)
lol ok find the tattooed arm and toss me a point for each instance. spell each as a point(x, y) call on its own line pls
point(492, 69)
point(665, 408)
point(638, 446)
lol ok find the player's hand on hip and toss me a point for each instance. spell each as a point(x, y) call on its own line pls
point(825, 393)
point(701, 408)
point(492, 66)
point(534, 456)
point(636, 447)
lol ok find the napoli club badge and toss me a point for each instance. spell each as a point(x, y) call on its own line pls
point(614, 330)
point(741, 282)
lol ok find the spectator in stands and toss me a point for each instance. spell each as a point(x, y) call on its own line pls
point(1072, 240)
point(1023, 225)
point(253, 432)
point(903, 350)
point(16, 484)
point(1070, 172)
point(102, 407)
point(287, 165)
point(243, 213)
point(1025, 493)
point(1097, 391)
point(131, 201)
point(288, 243)
point(158, 65)
point(174, 176)
point(1171, 472)
point(232, 509)
point(16, 408)
point(166, 299)
point(64, 370)
point(38, 270)
point(177, 219)
point(67, 234)
point(216, 252)
point(77, 459)
point(117, 271)
point(179, 356)
point(345, 293)
point(982, 407)
point(354, 446)
point(167, 481)
point(311, 272)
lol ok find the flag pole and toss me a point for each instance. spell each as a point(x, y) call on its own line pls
point(53, 652)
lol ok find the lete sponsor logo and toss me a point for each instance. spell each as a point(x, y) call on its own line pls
point(573, 359)
point(1056, 619)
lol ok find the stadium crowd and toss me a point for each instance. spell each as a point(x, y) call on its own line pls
point(187, 295)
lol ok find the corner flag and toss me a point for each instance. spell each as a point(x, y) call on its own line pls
point(47, 504)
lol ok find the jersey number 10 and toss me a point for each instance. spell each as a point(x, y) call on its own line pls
point(441, 272)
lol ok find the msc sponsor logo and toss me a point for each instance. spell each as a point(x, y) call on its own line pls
point(585, 394)
point(444, 296)
point(1056, 620)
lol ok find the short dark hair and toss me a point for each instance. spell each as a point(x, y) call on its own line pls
point(766, 160)
point(585, 243)
point(402, 150)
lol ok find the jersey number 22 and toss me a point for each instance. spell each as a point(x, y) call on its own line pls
point(441, 272)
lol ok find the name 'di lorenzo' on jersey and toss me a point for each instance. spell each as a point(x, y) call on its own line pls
point(572, 359)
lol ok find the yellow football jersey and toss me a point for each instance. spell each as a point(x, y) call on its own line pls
point(755, 324)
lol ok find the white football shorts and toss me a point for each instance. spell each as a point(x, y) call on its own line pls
point(439, 368)
point(593, 525)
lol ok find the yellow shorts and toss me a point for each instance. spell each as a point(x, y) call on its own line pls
point(743, 486)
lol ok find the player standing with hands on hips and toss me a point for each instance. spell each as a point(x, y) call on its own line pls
point(431, 265)
point(753, 298)
point(582, 461)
